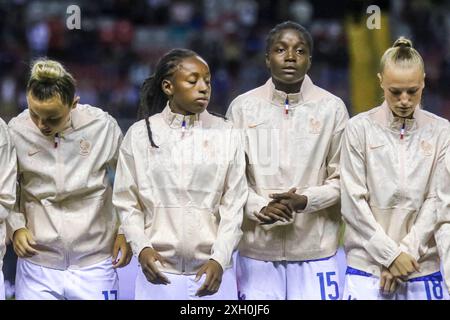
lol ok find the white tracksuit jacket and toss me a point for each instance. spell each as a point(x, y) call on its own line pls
point(300, 149)
point(65, 193)
point(442, 230)
point(8, 177)
point(388, 188)
point(185, 198)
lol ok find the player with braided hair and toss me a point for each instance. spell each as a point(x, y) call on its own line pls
point(180, 186)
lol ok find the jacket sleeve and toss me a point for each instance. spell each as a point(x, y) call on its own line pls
point(442, 227)
point(417, 240)
point(16, 219)
point(255, 202)
point(231, 206)
point(8, 173)
point(354, 196)
point(126, 199)
point(115, 140)
point(327, 194)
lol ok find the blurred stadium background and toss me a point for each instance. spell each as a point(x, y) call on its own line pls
point(120, 42)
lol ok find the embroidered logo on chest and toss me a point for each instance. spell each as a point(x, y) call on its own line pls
point(426, 148)
point(314, 126)
point(85, 147)
point(33, 151)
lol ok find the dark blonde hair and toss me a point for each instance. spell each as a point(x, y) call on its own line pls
point(403, 54)
point(49, 79)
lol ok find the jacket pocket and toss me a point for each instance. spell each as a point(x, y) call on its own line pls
point(44, 221)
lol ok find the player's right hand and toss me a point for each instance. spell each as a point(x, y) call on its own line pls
point(403, 265)
point(147, 259)
point(273, 212)
point(23, 242)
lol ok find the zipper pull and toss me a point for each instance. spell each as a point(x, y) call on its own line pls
point(183, 127)
point(402, 130)
point(286, 107)
point(56, 140)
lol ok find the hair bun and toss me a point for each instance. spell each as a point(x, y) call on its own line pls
point(47, 70)
point(403, 43)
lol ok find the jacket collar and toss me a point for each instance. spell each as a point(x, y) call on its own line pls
point(396, 123)
point(79, 118)
point(278, 97)
point(175, 120)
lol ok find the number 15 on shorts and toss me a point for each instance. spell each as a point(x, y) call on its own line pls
point(329, 288)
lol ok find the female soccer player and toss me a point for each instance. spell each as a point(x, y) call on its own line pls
point(180, 186)
point(293, 136)
point(388, 178)
point(65, 228)
point(8, 176)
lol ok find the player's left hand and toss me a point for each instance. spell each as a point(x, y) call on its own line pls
point(121, 245)
point(294, 201)
point(388, 283)
point(213, 279)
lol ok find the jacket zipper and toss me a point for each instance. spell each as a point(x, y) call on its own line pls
point(286, 108)
point(183, 263)
point(59, 184)
point(402, 160)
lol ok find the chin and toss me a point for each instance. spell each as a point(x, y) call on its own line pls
point(404, 114)
point(199, 109)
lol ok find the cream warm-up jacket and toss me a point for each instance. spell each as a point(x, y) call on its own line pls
point(300, 149)
point(388, 188)
point(8, 177)
point(65, 192)
point(185, 198)
point(442, 231)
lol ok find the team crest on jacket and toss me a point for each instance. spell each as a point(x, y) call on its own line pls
point(85, 147)
point(314, 126)
point(426, 148)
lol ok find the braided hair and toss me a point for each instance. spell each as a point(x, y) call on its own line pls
point(152, 97)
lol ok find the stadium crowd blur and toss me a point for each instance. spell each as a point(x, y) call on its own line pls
point(120, 42)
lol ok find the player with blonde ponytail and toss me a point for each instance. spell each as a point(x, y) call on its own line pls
point(388, 187)
point(64, 228)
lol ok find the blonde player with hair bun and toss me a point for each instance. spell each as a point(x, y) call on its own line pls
point(64, 228)
point(388, 187)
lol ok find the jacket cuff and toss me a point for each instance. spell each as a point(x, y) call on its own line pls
point(254, 206)
point(310, 203)
point(279, 223)
point(14, 222)
point(138, 247)
point(382, 248)
point(221, 259)
point(408, 250)
point(137, 242)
